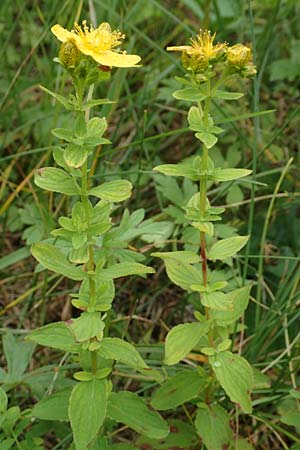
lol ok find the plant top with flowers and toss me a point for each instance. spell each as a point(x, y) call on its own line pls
point(83, 249)
point(215, 287)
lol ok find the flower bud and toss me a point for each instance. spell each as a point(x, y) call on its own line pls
point(238, 55)
point(196, 63)
point(69, 54)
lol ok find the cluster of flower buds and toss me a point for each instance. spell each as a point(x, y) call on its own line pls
point(202, 54)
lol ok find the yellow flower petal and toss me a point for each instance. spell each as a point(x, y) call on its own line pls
point(115, 59)
point(61, 33)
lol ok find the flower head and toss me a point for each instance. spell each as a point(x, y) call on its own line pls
point(100, 43)
point(202, 45)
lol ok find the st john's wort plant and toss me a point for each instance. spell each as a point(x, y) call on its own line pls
point(75, 250)
point(220, 302)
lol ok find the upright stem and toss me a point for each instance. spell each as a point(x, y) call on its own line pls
point(202, 207)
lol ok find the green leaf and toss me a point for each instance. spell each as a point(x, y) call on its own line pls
point(228, 174)
point(87, 326)
point(226, 248)
point(64, 133)
point(60, 98)
point(212, 424)
point(189, 94)
point(130, 409)
point(178, 170)
point(114, 191)
point(53, 259)
point(100, 101)
point(208, 139)
point(18, 355)
point(180, 256)
point(240, 299)
point(243, 444)
point(53, 407)
point(182, 339)
point(291, 419)
point(119, 350)
point(75, 155)
point(181, 388)
point(54, 335)
point(56, 180)
point(87, 411)
point(227, 95)
point(182, 274)
point(124, 269)
point(217, 300)
point(3, 401)
point(235, 375)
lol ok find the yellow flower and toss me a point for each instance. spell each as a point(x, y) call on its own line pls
point(202, 45)
point(99, 43)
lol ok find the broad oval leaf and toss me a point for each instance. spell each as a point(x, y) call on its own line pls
point(130, 409)
point(212, 424)
point(226, 248)
point(182, 274)
point(182, 339)
point(87, 411)
point(208, 139)
point(217, 300)
point(114, 191)
point(86, 326)
point(189, 94)
point(235, 375)
point(219, 174)
point(53, 259)
point(124, 269)
point(226, 95)
point(178, 389)
point(119, 350)
point(53, 407)
point(75, 155)
point(180, 256)
point(178, 170)
point(240, 299)
point(56, 180)
point(54, 335)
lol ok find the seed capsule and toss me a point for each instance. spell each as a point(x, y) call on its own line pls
point(69, 54)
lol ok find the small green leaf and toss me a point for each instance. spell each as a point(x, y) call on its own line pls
point(181, 388)
point(182, 339)
point(212, 424)
point(291, 419)
point(180, 256)
point(226, 248)
point(60, 98)
point(53, 407)
point(124, 269)
point(53, 259)
point(87, 411)
point(130, 409)
point(64, 133)
point(217, 300)
point(189, 94)
point(240, 299)
point(178, 170)
point(208, 139)
point(182, 274)
point(87, 326)
point(119, 350)
point(235, 375)
point(54, 335)
point(227, 95)
point(100, 101)
point(114, 191)
point(56, 180)
point(75, 155)
point(3, 401)
point(228, 174)
point(83, 376)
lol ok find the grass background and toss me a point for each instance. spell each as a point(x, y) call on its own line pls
point(147, 126)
